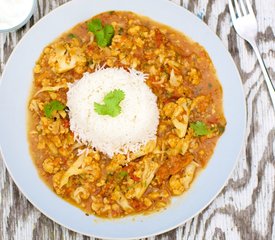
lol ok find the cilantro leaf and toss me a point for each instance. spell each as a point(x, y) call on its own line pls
point(71, 35)
point(114, 97)
point(53, 106)
point(111, 103)
point(123, 174)
point(103, 35)
point(120, 31)
point(104, 109)
point(200, 128)
point(100, 39)
point(109, 33)
point(95, 25)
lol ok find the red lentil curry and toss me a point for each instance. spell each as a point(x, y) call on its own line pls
point(180, 74)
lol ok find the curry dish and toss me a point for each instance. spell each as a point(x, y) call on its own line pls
point(189, 100)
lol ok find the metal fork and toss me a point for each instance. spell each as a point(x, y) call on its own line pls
point(245, 24)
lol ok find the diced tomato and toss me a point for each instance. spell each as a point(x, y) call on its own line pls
point(159, 37)
point(130, 169)
point(137, 204)
point(212, 119)
point(134, 177)
point(66, 123)
point(173, 165)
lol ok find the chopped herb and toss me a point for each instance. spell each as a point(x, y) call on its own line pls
point(123, 174)
point(109, 177)
point(109, 33)
point(71, 35)
point(111, 12)
point(103, 35)
point(95, 25)
point(200, 128)
point(90, 62)
point(120, 31)
point(53, 106)
point(111, 103)
point(210, 85)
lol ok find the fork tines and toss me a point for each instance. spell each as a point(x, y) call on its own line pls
point(238, 8)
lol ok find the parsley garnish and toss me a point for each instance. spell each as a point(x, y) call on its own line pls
point(53, 106)
point(120, 31)
point(111, 103)
point(200, 128)
point(123, 174)
point(103, 35)
point(95, 25)
point(71, 35)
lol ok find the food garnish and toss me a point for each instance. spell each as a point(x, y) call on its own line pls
point(123, 174)
point(200, 128)
point(111, 103)
point(71, 35)
point(53, 106)
point(103, 35)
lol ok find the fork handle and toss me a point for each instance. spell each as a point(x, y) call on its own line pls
point(267, 78)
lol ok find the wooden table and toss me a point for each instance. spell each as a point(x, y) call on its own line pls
point(245, 209)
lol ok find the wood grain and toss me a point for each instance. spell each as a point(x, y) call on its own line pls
point(245, 209)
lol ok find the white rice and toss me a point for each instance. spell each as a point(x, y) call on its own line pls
point(132, 128)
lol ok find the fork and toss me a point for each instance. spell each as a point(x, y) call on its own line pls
point(245, 24)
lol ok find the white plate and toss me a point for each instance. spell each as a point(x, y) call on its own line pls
point(14, 91)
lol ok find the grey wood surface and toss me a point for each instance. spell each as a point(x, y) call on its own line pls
point(245, 209)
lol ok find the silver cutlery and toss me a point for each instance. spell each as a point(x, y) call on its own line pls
point(245, 24)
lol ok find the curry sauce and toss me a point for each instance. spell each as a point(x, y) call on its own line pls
point(180, 74)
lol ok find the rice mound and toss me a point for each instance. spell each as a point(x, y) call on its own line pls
point(132, 128)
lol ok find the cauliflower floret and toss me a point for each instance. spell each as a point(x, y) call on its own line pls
point(97, 203)
point(181, 127)
point(122, 201)
point(80, 193)
point(148, 169)
point(173, 140)
point(148, 148)
point(169, 108)
point(197, 101)
point(181, 145)
point(178, 184)
point(73, 170)
point(34, 106)
point(188, 175)
point(121, 160)
point(194, 76)
point(117, 161)
point(56, 183)
point(175, 80)
point(57, 141)
point(51, 165)
point(64, 58)
point(83, 165)
point(92, 171)
point(134, 30)
point(179, 113)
